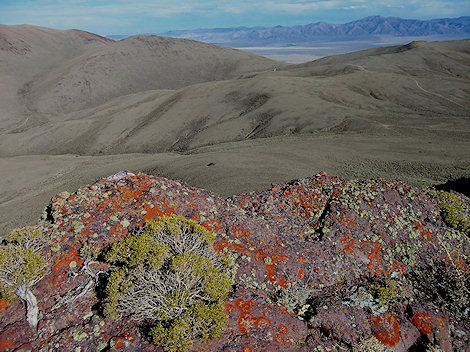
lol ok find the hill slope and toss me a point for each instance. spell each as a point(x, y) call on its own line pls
point(416, 89)
point(49, 71)
point(138, 64)
point(27, 51)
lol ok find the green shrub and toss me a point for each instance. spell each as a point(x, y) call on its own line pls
point(19, 262)
point(28, 237)
point(454, 211)
point(443, 284)
point(387, 292)
point(168, 274)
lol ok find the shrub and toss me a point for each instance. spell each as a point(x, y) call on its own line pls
point(453, 209)
point(386, 291)
point(21, 267)
point(19, 262)
point(369, 345)
point(28, 237)
point(17, 266)
point(441, 283)
point(169, 275)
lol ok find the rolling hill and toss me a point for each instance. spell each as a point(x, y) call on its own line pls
point(378, 91)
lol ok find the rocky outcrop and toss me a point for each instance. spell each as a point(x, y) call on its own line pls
point(320, 264)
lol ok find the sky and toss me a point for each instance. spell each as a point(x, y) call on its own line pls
point(106, 17)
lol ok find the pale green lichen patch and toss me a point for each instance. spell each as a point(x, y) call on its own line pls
point(125, 223)
point(364, 299)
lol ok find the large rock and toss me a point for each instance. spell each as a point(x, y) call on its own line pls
point(321, 264)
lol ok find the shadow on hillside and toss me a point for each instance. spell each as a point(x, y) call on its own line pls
point(461, 185)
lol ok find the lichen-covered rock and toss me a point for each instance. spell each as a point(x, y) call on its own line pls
point(319, 264)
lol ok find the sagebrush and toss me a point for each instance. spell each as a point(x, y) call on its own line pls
point(169, 276)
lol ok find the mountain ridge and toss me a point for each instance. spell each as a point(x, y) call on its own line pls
point(323, 31)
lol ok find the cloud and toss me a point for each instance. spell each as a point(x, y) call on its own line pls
point(300, 7)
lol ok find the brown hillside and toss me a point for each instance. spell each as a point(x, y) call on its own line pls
point(414, 90)
point(138, 64)
point(28, 51)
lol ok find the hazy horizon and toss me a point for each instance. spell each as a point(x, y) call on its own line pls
point(108, 17)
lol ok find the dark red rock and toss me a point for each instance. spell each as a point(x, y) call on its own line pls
point(322, 264)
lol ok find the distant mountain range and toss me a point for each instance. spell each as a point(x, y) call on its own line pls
point(373, 26)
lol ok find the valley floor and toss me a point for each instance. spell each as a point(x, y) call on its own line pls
point(28, 182)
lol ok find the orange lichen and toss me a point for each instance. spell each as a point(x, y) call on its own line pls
point(386, 329)
point(271, 269)
point(64, 263)
point(277, 258)
point(229, 308)
point(246, 320)
point(6, 343)
point(428, 235)
point(454, 257)
point(260, 254)
point(375, 260)
point(279, 243)
point(246, 349)
point(240, 232)
point(213, 226)
point(245, 306)
point(350, 244)
point(398, 267)
point(417, 225)
point(345, 220)
point(239, 248)
point(262, 322)
point(423, 322)
point(124, 341)
point(284, 310)
point(301, 274)
point(218, 246)
point(152, 213)
point(281, 337)
point(169, 211)
point(3, 304)
point(283, 282)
